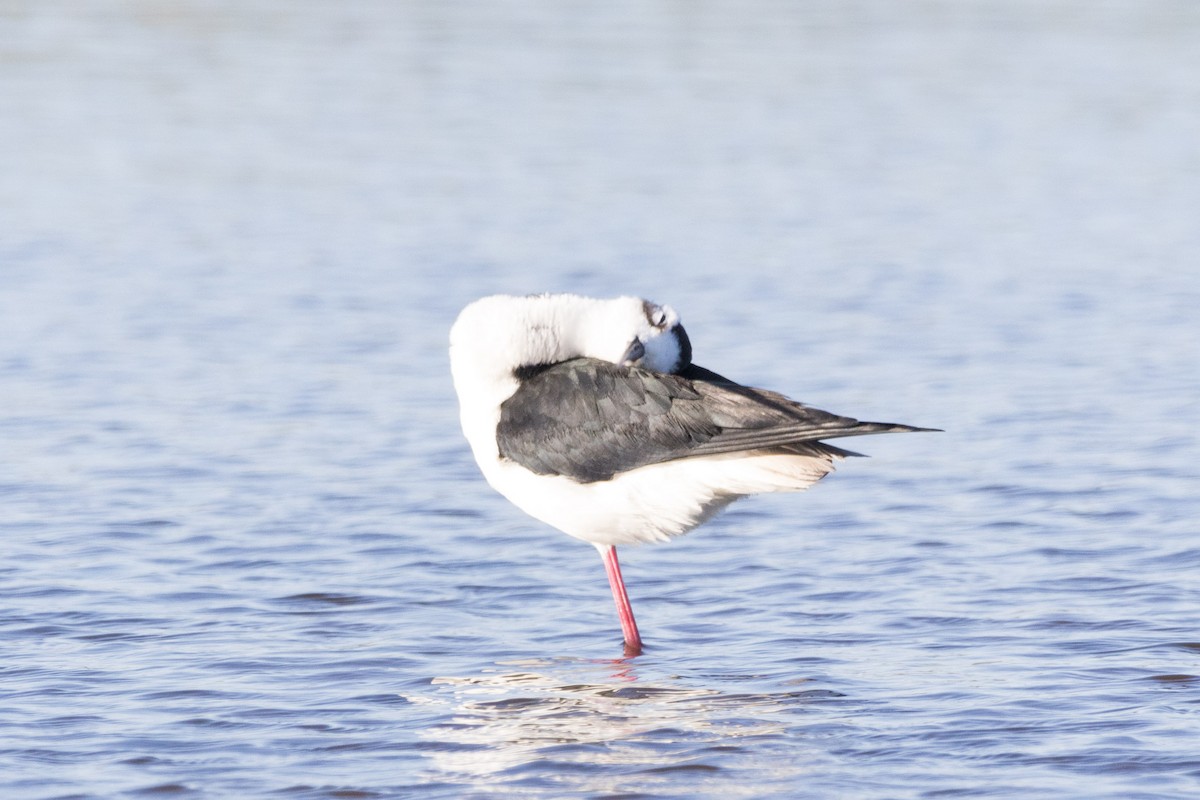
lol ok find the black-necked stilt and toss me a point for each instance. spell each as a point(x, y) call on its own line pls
point(589, 415)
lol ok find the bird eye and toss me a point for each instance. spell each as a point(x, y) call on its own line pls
point(655, 315)
point(658, 316)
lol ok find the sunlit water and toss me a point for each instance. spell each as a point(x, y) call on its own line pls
point(246, 552)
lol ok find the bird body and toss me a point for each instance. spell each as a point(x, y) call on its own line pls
point(589, 416)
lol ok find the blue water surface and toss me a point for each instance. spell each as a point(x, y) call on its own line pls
point(244, 549)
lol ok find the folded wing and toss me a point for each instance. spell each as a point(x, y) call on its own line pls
point(588, 420)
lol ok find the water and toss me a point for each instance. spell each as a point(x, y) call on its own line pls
point(245, 551)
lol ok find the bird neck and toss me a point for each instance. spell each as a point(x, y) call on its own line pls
point(496, 337)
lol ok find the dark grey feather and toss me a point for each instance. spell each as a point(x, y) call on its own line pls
point(589, 420)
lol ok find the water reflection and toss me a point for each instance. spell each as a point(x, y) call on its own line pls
point(593, 713)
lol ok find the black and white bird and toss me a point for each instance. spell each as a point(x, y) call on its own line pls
point(590, 416)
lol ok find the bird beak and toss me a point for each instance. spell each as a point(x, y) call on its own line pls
point(634, 354)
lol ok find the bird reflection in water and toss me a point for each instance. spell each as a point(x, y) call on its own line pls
point(593, 713)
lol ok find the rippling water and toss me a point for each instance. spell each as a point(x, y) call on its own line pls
point(245, 551)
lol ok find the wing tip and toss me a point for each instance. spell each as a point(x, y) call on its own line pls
point(896, 427)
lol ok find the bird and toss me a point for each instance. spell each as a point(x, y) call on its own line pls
point(589, 415)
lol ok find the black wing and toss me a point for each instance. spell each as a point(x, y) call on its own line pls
point(589, 419)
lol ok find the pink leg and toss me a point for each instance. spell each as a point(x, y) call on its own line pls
point(633, 641)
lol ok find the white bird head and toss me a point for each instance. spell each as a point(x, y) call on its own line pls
point(636, 332)
point(501, 334)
